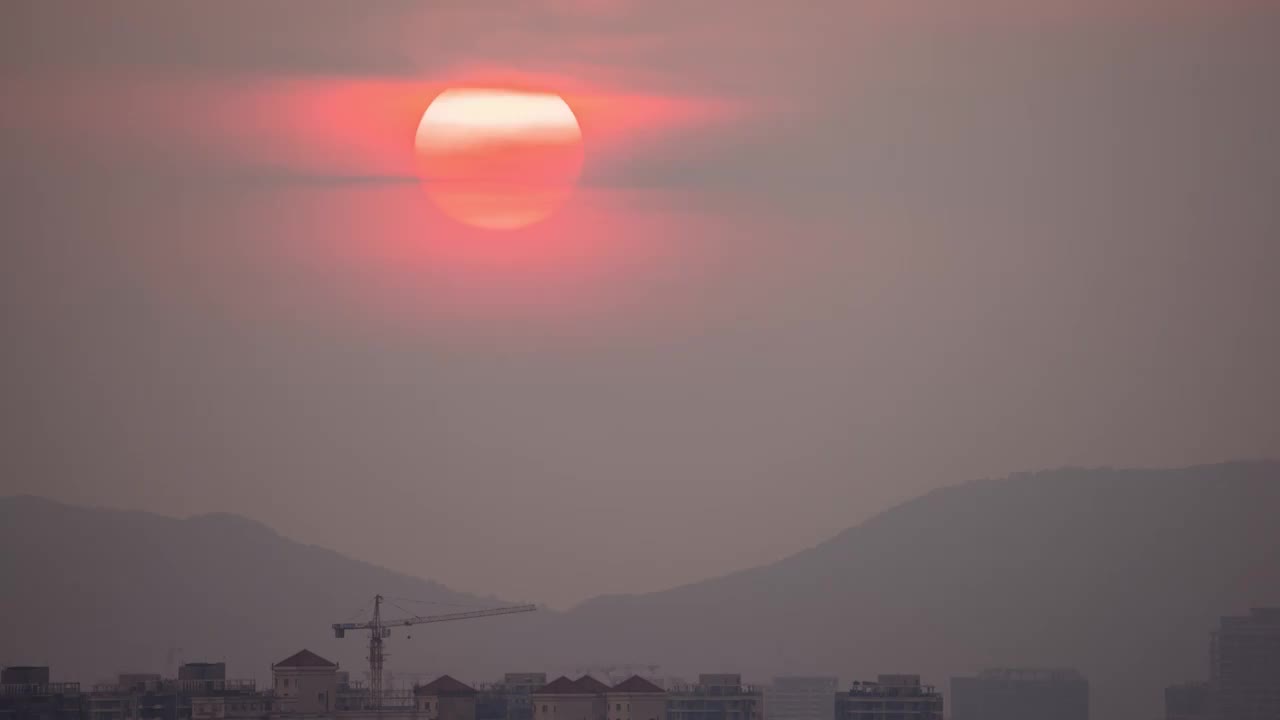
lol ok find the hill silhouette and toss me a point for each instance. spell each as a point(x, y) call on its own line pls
point(1120, 573)
point(94, 592)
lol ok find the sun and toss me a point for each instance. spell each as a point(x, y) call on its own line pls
point(499, 159)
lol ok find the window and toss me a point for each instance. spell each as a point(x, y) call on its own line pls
point(619, 707)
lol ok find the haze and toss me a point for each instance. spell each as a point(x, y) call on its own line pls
point(823, 259)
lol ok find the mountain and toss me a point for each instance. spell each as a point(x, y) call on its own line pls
point(94, 592)
point(1120, 573)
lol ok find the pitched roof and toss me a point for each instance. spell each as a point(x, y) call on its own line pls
point(305, 659)
point(563, 686)
point(590, 684)
point(444, 685)
point(636, 684)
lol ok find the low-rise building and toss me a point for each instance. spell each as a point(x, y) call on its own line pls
point(1020, 693)
point(636, 699)
point(565, 699)
point(27, 694)
point(304, 684)
point(230, 707)
point(445, 699)
point(718, 696)
point(510, 698)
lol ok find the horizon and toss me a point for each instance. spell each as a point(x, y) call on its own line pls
point(1012, 476)
point(723, 329)
point(1203, 534)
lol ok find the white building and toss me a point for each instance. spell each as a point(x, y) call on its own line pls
point(636, 699)
point(304, 684)
point(445, 699)
point(565, 699)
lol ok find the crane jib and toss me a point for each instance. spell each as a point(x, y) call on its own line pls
point(380, 629)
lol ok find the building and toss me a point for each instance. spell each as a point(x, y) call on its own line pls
point(445, 699)
point(715, 697)
point(565, 699)
point(636, 699)
point(1244, 663)
point(1017, 694)
point(197, 692)
point(304, 684)
point(517, 691)
point(510, 698)
point(890, 697)
point(799, 697)
point(252, 706)
point(202, 672)
point(1191, 701)
point(27, 694)
point(25, 675)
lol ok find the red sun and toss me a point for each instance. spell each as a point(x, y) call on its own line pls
point(499, 159)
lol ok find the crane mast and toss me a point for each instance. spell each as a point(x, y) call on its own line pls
point(380, 630)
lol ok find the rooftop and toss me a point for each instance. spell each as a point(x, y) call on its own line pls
point(564, 686)
point(445, 685)
point(636, 684)
point(590, 684)
point(305, 659)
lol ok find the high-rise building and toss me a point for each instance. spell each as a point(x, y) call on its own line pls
point(1191, 701)
point(1018, 694)
point(890, 697)
point(1244, 665)
point(801, 697)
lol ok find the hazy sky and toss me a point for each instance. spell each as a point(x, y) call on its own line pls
point(826, 256)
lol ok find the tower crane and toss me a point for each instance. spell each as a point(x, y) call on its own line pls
point(380, 629)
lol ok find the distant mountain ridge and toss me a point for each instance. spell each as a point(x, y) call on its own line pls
point(93, 592)
point(1120, 573)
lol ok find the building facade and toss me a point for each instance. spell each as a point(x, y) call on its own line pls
point(1191, 701)
point(304, 684)
point(715, 697)
point(1244, 662)
point(636, 699)
point(565, 699)
point(512, 697)
point(445, 699)
point(801, 697)
point(26, 693)
point(890, 697)
point(1017, 694)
